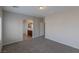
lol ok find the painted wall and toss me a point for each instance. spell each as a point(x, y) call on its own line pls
point(13, 27)
point(63, 27)
point(0, 29)
point(38, 27)
point(42, 27)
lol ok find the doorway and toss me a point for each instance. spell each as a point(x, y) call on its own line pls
point(28, 29)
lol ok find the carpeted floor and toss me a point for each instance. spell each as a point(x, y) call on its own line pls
point(38, 45)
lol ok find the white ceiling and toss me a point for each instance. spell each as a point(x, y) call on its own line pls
point(34, 10)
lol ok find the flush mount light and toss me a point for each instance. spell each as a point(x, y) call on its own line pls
point(42, 7)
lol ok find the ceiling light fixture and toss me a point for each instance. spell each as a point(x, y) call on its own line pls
point(42, 7)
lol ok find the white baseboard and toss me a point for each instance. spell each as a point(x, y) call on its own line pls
point(62, 42)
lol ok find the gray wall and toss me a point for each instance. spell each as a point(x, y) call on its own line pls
point(0, 29)
point(13, 27)
point(63, 27)
point(42, 27)
point(38, 27)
